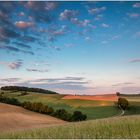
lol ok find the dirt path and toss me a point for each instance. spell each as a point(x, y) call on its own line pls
point(17, 118)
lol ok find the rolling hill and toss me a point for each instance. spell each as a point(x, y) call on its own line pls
point(13, 118)
point(98, 107)
point(27, 89)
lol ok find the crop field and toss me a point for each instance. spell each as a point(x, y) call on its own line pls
point(94, 109)
point(93, 97)
point(127, 127)
point(16, 118)
point(103, 118)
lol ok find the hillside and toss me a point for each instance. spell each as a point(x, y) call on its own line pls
point(27, 89)
point(117, 127)
point(94, 109)
point(16, 118)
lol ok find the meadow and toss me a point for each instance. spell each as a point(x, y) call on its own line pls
point(118, 127)
point(94, 109)
point(103, 118)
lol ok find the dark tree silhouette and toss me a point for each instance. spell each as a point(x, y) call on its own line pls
point(123, 103)
point(118, 93)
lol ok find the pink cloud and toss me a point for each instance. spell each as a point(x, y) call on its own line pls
point(23, 24)
point(136, 5)
point(12, 65)
point(135, 60)
point(21, 14)
point(133, 15)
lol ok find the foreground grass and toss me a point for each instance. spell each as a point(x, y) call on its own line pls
point(119, 127)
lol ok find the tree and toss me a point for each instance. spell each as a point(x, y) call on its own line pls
point(78, 116)
point(123, 103)
point(118, 93)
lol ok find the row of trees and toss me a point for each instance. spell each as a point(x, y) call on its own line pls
point(59, 113)
point(19, 88)
point(11, 101)
point(44, 109)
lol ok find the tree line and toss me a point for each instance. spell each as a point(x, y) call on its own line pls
point(44, 109)
point(21, 88)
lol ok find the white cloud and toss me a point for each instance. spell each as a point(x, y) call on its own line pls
point(68, 14)
point(96, 10)
point(88, 38)
point(105, 25)
point(76, 21)
point(104, 42)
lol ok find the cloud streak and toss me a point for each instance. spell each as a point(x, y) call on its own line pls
point(96, 10)
point(135, 60)
point(12, 65)
point(36, 70)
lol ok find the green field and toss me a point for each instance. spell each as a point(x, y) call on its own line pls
point(117, 127)
point(93, 109)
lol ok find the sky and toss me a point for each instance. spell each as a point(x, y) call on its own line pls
point(71, 47)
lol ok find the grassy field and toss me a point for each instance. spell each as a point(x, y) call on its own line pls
point(113, 127)
point(117, 127)
point(93, 109)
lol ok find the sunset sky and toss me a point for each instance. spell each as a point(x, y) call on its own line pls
point(71, 47)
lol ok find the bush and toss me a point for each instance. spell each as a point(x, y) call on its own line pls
point(78, 116)
point(50, 110)
point(24, 93)
point(63, 114)
point(12, 101)
point(2, 93)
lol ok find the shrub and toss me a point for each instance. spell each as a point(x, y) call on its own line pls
point(2, 93)
point(24, 93)
point(27, 105)
point(78, 116)
point(63, 114)
point(12, 101)
point(50, 110)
